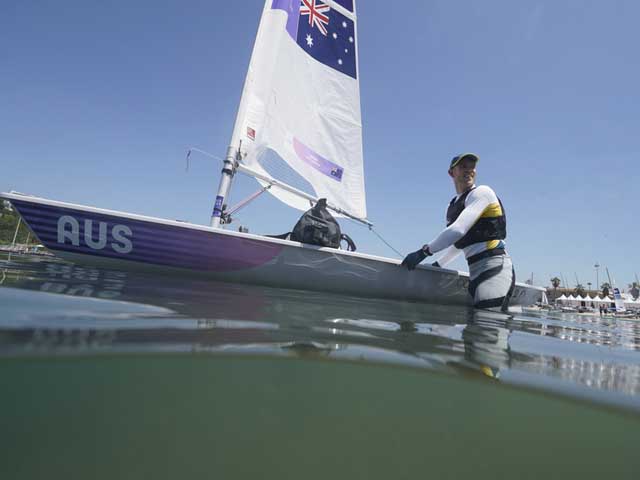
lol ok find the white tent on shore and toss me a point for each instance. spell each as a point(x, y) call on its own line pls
point(629, 302)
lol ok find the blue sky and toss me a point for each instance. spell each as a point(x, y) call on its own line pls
point(100, 101)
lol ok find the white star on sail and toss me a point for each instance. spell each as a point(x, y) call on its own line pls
point(309, 40)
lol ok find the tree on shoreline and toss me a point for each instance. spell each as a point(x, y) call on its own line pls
point(9, 219)
point(555, 282)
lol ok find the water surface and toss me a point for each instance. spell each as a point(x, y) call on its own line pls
point(113, 374)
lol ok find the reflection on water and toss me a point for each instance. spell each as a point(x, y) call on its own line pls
point(52, 307)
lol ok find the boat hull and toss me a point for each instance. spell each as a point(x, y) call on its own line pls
point(133, 242)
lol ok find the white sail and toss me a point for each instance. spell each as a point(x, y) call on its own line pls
point(617, 297)
point(299, 118)
point(619, 301)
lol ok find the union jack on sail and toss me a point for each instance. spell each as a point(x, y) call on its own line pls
point(316, 17)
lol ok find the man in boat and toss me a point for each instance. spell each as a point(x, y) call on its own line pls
point(477, 225)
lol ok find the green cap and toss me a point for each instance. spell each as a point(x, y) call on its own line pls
point(458, 158)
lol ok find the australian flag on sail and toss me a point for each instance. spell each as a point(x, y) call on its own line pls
point(324, 33)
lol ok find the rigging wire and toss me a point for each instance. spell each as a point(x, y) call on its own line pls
point(370, 227)
point(194, 149)
point(247, 200)
point(385, 242)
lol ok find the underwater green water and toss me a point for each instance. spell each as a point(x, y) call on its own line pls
point(195, 416)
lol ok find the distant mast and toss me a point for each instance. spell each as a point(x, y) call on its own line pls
point(617, 296)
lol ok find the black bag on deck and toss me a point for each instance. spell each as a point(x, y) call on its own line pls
point(318, 227)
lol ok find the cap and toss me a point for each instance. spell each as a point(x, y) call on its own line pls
point(458, 158)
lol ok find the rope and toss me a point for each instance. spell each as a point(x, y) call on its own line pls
point(377, 235)
point(194, 149)
point(385, 242)
point(246, 201)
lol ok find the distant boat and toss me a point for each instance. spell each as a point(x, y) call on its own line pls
point(299, 119)
point(25, 249)
point(617, 296)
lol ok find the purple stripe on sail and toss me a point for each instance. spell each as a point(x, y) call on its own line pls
point(318, 162)
point(292, 7)
point(142, 241)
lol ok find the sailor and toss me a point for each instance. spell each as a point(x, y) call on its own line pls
point(477, 225)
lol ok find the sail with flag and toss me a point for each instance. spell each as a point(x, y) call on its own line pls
point(619, 301)
point(617, 296)
point(299, 119)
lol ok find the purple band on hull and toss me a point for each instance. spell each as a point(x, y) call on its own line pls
point(110, 236)
point(318, 162)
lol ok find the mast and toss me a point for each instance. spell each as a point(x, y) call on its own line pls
point(617, 297)
point(234, 153)
point(15, 235)
point(228, 170)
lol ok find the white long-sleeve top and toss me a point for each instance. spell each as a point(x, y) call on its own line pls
point(482, 201)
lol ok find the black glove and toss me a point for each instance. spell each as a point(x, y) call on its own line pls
point(413, 259)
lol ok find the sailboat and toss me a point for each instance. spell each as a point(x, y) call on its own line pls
point(620, 309)
point(298, 132)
